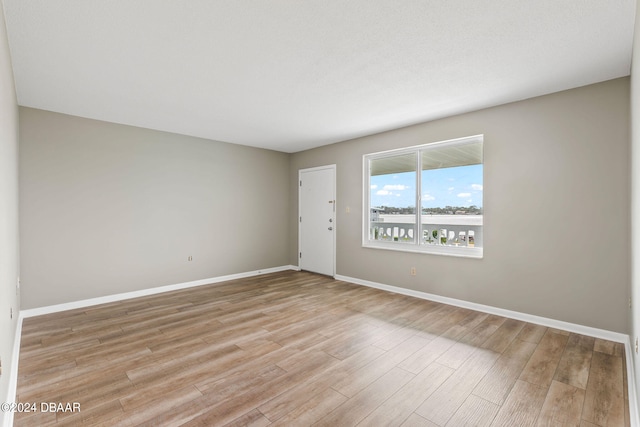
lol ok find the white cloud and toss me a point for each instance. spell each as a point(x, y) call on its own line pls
point(451, 188)
point(427, 197)
point(476, 187)
point(397, 187)
point(383, 193)
point(374, 186)
point(464, 194)
point(470, 200)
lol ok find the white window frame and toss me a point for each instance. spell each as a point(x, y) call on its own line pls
point(415, 246)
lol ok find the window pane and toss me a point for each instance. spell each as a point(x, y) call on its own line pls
point(392, 198)
point(452, 188)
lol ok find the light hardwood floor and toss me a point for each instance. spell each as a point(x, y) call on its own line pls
point(294, 348)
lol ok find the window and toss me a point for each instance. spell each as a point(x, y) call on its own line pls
point(426, 198)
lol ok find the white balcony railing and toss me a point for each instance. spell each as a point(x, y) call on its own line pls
point(440, 234)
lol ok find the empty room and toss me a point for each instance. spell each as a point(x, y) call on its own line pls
point(368, 213)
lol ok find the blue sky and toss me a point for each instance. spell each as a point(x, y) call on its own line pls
point(458, 186)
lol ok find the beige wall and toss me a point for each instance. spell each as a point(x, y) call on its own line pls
point(556, 203)
point(634, 318)
point(9, 260)
point(107, 208)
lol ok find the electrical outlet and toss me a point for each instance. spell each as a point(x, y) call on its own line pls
point(190, 258)
point(413, 271)
point(11, 312)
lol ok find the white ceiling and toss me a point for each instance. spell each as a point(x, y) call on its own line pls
point(290, 74)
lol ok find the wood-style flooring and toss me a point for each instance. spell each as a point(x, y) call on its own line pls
point(295, 348)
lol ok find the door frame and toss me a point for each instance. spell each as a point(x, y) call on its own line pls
point(333, 168)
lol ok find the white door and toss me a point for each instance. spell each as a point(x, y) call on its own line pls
point(317, 219)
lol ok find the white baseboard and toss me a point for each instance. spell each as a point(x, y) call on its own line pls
point(144, 292)
point(530, 318)
point(557, 324)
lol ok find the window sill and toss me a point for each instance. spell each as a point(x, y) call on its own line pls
point(457, 251)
